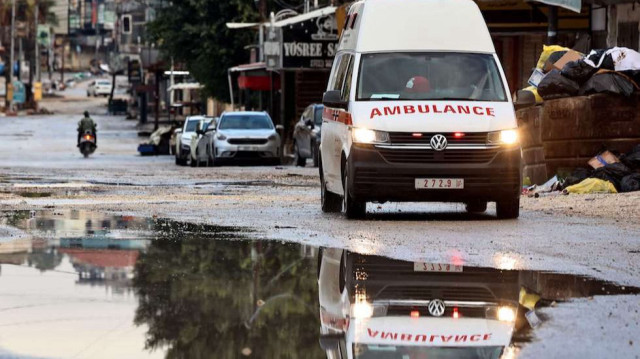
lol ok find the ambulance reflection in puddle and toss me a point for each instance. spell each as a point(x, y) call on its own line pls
point(376, 307)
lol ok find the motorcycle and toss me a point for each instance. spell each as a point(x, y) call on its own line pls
point(87, 143)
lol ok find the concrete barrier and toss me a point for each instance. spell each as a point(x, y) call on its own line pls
point(565, 133)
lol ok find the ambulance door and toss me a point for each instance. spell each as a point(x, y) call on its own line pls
point(336, 121)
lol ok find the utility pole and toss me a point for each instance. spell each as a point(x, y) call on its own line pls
point(12, 56)
point(37, 54)
point(552, 30)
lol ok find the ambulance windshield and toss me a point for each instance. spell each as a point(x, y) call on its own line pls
point(369, 351)
point(429, 76)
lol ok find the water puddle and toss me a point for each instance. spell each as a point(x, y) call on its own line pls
point(34, 194)
point(124, 286)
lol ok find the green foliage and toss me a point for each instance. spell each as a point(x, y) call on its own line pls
point(197, 289)
point(194, 33)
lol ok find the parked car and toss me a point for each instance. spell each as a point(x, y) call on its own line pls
point(246, 135)
point(306, 136)
point(183, 138)
point(99, 88)
point(202, 144)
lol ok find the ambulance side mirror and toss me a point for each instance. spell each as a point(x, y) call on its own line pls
point(334, 99)
point(330, 341)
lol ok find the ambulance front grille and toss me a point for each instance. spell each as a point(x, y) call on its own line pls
point(423, 138)
point(430, 156)
point(479, 294)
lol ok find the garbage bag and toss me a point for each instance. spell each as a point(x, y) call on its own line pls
point(630, 183)
point(612, 172)
point(578, 71)
point(546, 52)
point(632, 159)
point(616, 58)
point(554, 85)
point(608, 82)
point(591, 185)
point(600, 59)
point(577, 176)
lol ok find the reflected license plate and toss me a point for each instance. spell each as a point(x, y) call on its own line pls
point(439, 183)
point(436, 267)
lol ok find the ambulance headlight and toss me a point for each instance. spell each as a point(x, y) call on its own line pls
point(364, 135)
point(506, 314)
point(504, 137)
point(361, 310)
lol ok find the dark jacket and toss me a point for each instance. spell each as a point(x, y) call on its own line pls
point(87, 124)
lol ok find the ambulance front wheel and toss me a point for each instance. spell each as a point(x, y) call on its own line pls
point(508, 208)
point(330, 202)
point(351, 207)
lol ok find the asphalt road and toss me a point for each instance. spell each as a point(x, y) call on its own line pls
point(38, 155)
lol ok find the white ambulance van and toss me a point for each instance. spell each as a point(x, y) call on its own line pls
point(418, 109)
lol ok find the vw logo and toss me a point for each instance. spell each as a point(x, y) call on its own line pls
point(438, 142)
point(436, 307)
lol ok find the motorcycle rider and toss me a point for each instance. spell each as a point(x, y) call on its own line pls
point(87, 124)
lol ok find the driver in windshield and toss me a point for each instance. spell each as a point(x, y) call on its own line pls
point(417, 87)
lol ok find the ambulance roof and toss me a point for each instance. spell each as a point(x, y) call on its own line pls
point(417, 25)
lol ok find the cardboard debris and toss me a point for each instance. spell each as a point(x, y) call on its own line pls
point(603, 159)
point(566, 58)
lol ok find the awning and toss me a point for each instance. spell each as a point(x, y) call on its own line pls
point(185, 86)
point(249, 67)
point(242, 25)
point(288, 21)
point(310, 15)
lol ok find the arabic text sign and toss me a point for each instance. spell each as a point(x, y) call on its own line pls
point(573, 5)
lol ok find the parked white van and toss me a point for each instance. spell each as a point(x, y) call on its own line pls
point(417, 108)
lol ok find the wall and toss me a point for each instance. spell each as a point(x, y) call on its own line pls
point(622, 13)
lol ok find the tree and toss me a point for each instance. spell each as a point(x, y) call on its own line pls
point(194, 33)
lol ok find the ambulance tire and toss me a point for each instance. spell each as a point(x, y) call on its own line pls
point(351, 207)
point(508, 208)
point(330, 202)
point(476, 206)
point(319, 262)
point(346, 274)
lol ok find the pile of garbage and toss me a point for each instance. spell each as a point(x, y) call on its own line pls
point(158, 143)
point(562, 72)
point(609, 173)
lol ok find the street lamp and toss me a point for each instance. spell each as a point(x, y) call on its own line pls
point(11, 57)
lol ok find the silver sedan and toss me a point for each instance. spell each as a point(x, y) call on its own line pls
point(246, 136)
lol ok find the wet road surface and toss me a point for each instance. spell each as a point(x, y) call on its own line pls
point(81, 284)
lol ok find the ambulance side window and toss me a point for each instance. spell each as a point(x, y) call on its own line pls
point(338, 75)
point(346, 90)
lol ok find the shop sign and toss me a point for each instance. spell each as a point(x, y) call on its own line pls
point(309, 44)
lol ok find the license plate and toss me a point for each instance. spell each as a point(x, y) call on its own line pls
point(436, 267)
point(439, 183)
point(247, 148)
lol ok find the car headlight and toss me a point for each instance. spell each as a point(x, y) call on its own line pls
point(504, 137)
point(221, 137)
point(361, 310)
point(506, 314)
point(272, 137)
point(364, 135)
